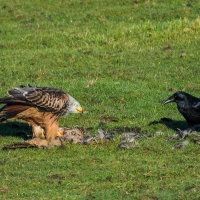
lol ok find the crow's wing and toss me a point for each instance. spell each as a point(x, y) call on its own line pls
point(196, 104)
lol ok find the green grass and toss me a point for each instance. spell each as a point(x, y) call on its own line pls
point(131, 49)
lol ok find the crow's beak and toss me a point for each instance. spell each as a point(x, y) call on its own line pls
point(171, 99)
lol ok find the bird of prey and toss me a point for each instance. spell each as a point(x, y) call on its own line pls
point(188, 106)
point(40, 107)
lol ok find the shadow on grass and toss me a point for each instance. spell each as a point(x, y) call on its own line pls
point(17, 129)
point(172, 124)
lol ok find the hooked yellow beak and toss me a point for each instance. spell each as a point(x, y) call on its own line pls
point(79, 110)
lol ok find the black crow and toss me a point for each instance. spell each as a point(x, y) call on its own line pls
point(188, 106)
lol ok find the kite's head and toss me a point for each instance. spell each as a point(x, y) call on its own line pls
point(74, 106)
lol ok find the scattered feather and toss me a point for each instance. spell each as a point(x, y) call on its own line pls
point(158, 133)
point(88, 139)
point(129, 140)
point(180, 145)
point(196, 141)
point(183, 134)
point(127, 145)
point(133, 135)
point(173, 137)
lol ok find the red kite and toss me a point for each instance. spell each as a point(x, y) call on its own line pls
point(40, 107)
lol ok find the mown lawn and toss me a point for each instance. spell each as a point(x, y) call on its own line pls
point(137, 52)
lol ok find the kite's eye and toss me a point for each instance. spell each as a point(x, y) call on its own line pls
point(76, 105)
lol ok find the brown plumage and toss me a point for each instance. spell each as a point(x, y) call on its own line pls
point(41, 107)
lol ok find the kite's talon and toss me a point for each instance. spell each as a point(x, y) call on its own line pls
point(42, 135)
point(58, 134)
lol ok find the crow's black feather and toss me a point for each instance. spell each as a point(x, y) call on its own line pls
point(188, 106)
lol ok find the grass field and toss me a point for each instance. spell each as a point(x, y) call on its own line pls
point(138, 52)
